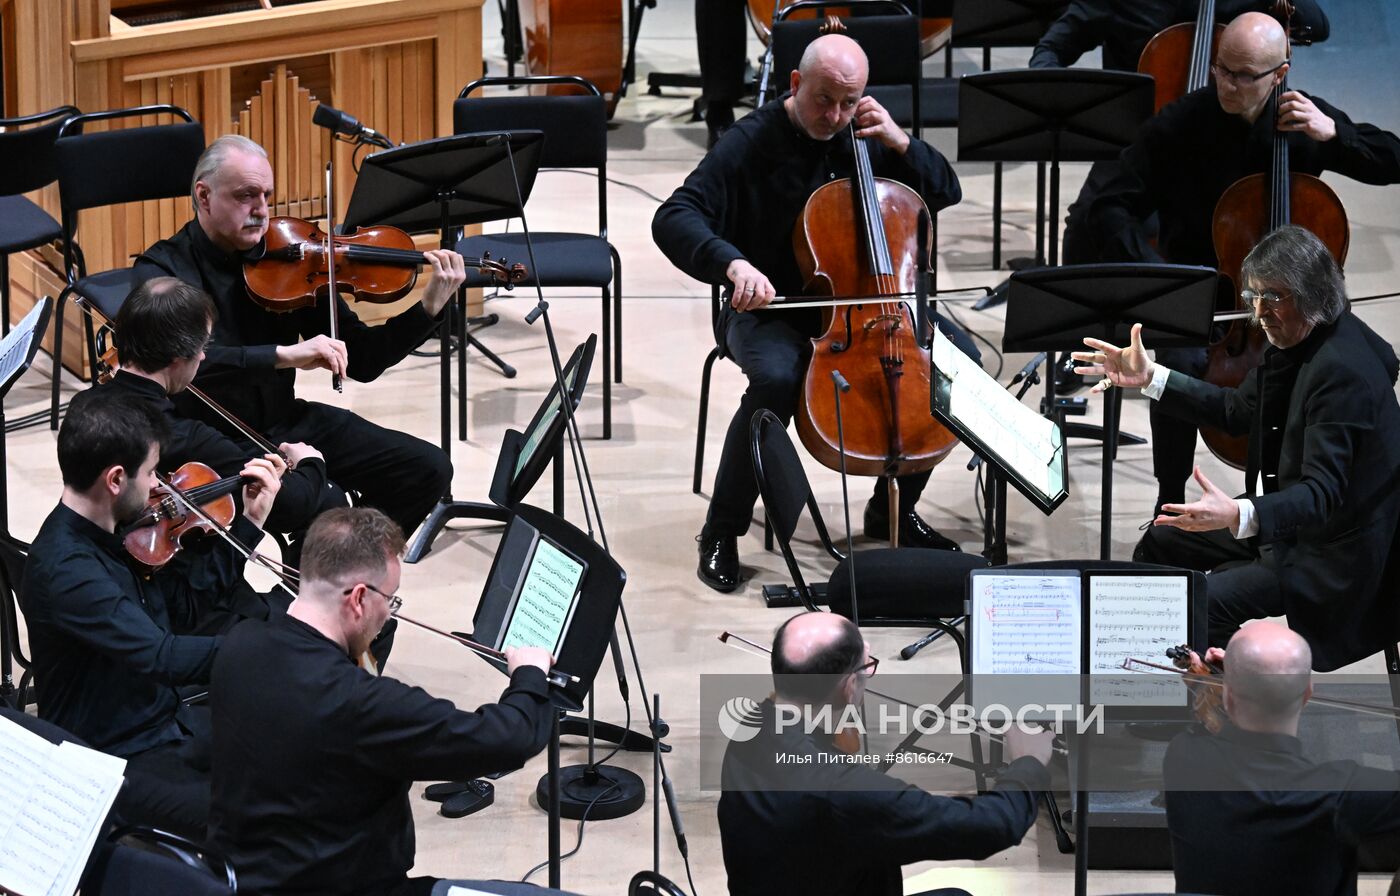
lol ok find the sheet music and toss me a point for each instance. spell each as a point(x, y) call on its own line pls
point(1025, 441)
point(1025, 624)
point(546, 599)
point(61, 797)
point(1136, 616)
point(14, 349)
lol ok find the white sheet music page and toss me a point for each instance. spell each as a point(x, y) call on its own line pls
point(1025, 441)
point(1139, 617)
point(1026, 624)
point(60, 796)
point(15, 346)
point(546, 599)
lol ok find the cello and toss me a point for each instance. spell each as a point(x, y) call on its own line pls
point(1179, 56)
point(858, 236)
point(1253, 206)
point(574, 37)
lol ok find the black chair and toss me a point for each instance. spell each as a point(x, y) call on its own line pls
point(891, 43)
point(14, 554)
point(139, 861)
point(899, 587)
point(576, 136)
point(112, 167)
point(715, 354)
point(26, 164)
point(649, 883)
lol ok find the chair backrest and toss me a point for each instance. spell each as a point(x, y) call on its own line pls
point(14, 554)
point(124, 165)
point(143, 860)
point(647, 883)
point(890, 42)
point(785, 489)
point(27, 160)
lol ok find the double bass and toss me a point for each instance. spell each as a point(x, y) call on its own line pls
point(574, 37)
point(1252, 207)
point(859, 236)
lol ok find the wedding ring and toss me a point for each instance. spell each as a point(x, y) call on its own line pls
point(1105, 384)
point(749, 288)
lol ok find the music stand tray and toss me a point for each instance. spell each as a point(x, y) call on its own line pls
point(1053, 309)
point(1050, 115)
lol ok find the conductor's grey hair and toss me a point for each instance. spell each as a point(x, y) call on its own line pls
point(1292, 259)
point(213, 158)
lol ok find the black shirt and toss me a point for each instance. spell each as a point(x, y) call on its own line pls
point(1187, 156)
point(1123, 27)
point(744, 197)
point(1275, 821)
point(104, 654)
point(302, 489)
point(313, 759)
point(239, 369)
point(843, 829)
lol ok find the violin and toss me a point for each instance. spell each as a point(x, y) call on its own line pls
point(156, 536)
point(1208, 703)
point(1253, 206)
point(858, 236)
point(374, 264)
point(1179, 56)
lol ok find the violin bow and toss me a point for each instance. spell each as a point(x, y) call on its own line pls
point(332, 295)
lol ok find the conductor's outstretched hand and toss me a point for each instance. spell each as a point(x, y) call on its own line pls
point(1122, 367)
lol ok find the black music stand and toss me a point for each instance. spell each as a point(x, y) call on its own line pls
point(579, 654)
point(444, 184)
point(1050, 115)
point(17, 352)
point(1053, 309)
point(521, 461)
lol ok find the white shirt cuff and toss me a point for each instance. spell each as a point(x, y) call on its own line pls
point(1249, 521)
point(1154, 389)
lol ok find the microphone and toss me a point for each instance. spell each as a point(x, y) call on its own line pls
point(534, 313)
point(675, 810)
point(1029, 369)
point(840, 381)
point(338, 122)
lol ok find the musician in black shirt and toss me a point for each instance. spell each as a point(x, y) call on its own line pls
point(106, 660)
point(253, 357)
point(731, 223)
point(313, 756)
point(1185, 158)
point(161, 333)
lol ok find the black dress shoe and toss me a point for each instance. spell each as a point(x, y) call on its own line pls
point(913, 531)
point(1067, 382)
point(719, 561)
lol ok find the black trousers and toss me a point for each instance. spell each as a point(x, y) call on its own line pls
point(773, 354)
point(168, 787)
point(721, 39)
point(1174, 439)
point(397, 473)
point(1241, 587)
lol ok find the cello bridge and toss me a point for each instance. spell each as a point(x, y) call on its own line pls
point(883, 319)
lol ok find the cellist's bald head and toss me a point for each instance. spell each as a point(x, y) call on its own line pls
point(827, 85)
point(1250, 59)
point(1258, 33)
point(1268, 672)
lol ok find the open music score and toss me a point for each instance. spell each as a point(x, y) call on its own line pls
point(546, 600)
point(1027, 444)
point(1063, 623)
point(1135, 616)
point(57, 798)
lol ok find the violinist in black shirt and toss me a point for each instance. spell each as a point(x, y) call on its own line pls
point(1185, 158)
point(731, 223)
point(161, 333)
point(253, 357)
point(106, 660)
point(313, 756)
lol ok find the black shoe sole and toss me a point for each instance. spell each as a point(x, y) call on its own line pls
point(721, 588)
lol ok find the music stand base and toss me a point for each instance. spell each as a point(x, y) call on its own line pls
point(611, 792)
point(1095, 432)
point(626, 738)
point(445, 511)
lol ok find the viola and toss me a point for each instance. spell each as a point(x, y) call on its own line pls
point(374, 264)
point(156, 536)
point(1207, 697)
point(858, 236)
point(1179, 56)
point(1252, 207)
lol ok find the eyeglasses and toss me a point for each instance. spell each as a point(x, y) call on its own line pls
point(394, 600)
point(1242, 79)
point(867, 669)
point(1268, 296)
